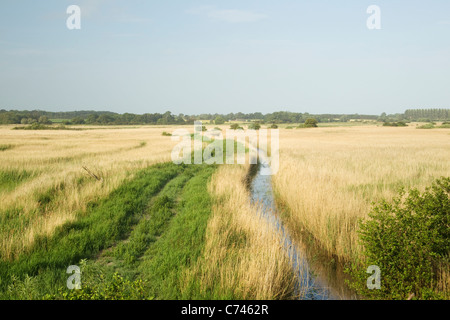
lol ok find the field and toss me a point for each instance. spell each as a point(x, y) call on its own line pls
point(329, 179)
point(43, 183)
point(109, 199)
point(96, 194)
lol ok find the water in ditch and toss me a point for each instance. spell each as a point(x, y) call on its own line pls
point(320, 277)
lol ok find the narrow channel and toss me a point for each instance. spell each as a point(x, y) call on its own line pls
point(319, 278)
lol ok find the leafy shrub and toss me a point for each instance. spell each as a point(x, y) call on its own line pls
point(96, 284)
point(254, 126)
point(166, 134)
point(309, 123)
point(407, 239)
point(395, 124)
point(236, 126)
point(219, 120)
point(78, 120)
point(26, 289)
point(115, 289)
point(44, 120)
point(426, 126)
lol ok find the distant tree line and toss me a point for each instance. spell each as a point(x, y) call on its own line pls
point(167, 118)
point(427, 114)
point(111, 118)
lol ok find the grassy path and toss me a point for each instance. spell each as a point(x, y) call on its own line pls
point(151, 227)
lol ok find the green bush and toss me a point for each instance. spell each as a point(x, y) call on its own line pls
point(116, 288)
point(426, 126)
point(236, 126)
point(254, 126)
point(97, 283)
point(219, 120)
point(395, 124)
point(44, 120)
point(26, 289)
point(309, 123)
point(407, 239)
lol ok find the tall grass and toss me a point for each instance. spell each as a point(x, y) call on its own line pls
point(105, 222)
point(47, 167)
point(243, 258)
point(328, 179)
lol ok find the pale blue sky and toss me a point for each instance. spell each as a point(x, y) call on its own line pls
point(191, 56)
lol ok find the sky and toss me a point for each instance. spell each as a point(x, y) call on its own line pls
point(193, 57)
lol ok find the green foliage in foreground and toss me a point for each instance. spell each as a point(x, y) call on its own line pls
point(99, 284)
point(409, 240)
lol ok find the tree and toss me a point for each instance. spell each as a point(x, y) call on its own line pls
point(383, 117)
point(44, 120)
point(219, 120)
point(92, 118)
point(311, 123)
point(105, 119)
point(254, 126)
point(78, 120)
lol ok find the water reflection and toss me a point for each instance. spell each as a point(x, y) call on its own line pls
point(320, 278)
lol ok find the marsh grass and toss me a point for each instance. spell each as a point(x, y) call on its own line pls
point(243, 258)
point(106, 222)
point(43, 184)
point(9, 179)
point(149, 224)
point(329, 181)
